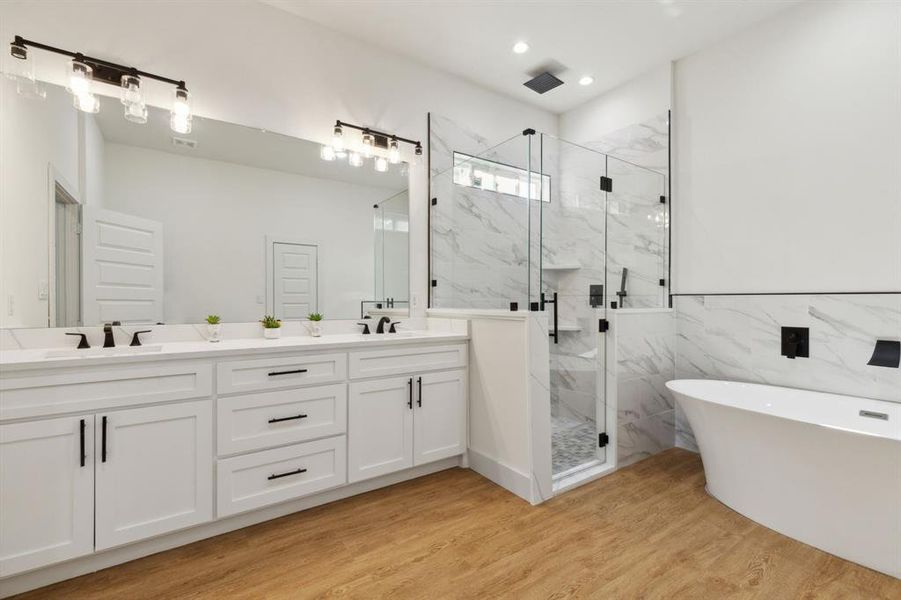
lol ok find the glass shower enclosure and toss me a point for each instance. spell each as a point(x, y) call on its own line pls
point(551, 225)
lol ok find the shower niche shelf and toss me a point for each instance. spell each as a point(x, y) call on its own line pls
point(562, 267)
point(568, 327)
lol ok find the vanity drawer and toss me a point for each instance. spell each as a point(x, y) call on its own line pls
point(277, 373)
point(272, 476)
point(47, 392)
point(267, 419)
point(407, 359)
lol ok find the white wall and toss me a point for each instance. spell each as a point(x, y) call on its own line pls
point(216, 216)
point(636, 101)
point(788, 155)
point(255, 65)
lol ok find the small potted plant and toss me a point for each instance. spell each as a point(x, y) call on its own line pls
point(213, 327)
point(314, 325)
point(272, 327)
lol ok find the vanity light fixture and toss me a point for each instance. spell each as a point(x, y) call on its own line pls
point(383, 148)
point(83, 72)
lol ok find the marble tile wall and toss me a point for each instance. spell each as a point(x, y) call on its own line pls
point(644, 347)
point(738, 338)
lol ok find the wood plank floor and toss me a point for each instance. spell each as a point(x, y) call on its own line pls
point(647, 531)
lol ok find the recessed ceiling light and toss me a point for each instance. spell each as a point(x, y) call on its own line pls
point(520, 47)
point(587, 80)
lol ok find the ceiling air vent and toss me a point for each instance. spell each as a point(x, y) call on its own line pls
point(184, 143)
point(542, 83)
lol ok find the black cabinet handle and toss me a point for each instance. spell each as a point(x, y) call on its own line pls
point(83, 455)
point(410, 401)
point(275, 373)
point(288, 474)
point(103, 441)
point(419, 399)
point(280, 419)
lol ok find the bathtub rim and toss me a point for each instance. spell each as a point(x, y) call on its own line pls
point(893, 436)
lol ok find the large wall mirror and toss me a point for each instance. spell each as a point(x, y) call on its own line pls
point(105, 220)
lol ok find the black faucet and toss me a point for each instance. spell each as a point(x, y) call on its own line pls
point(108, 340)
point(380, 328)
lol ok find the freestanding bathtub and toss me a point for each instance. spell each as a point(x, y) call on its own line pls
point(821, 468)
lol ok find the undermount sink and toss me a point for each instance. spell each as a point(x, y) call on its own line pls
point(94, 352)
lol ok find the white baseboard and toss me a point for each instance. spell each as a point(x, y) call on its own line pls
point(23, 582)
point(505, 476)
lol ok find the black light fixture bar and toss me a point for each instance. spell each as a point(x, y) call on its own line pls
point(378, 133)
point(108, 72)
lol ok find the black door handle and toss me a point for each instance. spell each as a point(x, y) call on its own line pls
point(288, 474)
point(83, 455)
point(103, 441)
point(419, 399)
point(280, 419)
point(410, 401)
point(274, 373)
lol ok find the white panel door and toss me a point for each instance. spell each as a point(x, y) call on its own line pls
point(46, 492)
point(154, 471)
point(295, 280)
point(122, 268)
point(379, 427)
point(439, 423)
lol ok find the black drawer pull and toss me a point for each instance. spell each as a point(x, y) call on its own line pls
point(103, 442)
point(274, 373)
point(280, 419)
point(289, 473)
point(83, 455)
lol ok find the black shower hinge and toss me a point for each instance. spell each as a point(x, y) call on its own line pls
point(662, 199)
point(434, 201)
point(434, 283)
point(603, 440)
point(662, 282)
point(603, 325)
point(606, 184)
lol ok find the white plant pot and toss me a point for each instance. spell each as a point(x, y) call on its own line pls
point(213, 331)
point(272, 333)
point(314, 328)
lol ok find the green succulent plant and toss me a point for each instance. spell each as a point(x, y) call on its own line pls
point(314, 317)
point(270, 322)
point(213, 319)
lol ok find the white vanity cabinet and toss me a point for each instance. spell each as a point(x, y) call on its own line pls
point(153, 471)
point(400, 422)
point(46, 492)
point(99, 456)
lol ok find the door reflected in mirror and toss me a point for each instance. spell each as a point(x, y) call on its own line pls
point(106, 220)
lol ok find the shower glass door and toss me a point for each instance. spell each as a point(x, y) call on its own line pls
point(572, 267)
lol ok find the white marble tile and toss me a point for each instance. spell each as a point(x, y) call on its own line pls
point(645, 437)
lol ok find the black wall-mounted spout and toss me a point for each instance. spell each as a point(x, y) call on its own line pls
point(795, 342)
point(887, 353)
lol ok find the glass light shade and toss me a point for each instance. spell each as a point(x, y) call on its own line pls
point(79, 79)
point(87, 102)
point(31, 89)
point(327, 153)
point(130, 92)
point(136, 113)
point(354, 159)
point(368, 141)
point(180, 117)
point(380, 164)
point(393, 152)
point(22, 65)
point(338, 139)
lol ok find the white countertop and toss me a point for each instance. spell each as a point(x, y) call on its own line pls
point(49, 357)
